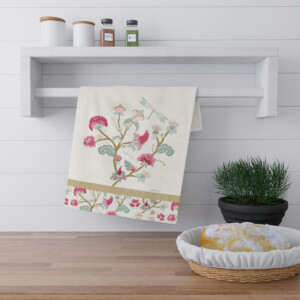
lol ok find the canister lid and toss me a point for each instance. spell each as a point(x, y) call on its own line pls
point(42, 19)
point(106, 21)
point(132, 22)
point(83, 22)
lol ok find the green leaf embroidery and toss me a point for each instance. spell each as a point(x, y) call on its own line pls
point(85, 208)
point(106, 149)
point(164, 148)
point(128, 165)
point(127, 121)
point(117, 137)
point(141, 177)
point(124, 208)
point(131, 146)
point(137, 126)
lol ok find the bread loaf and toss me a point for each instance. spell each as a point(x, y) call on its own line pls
point(242, 237)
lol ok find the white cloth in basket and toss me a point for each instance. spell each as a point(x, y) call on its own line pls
point(188, 244)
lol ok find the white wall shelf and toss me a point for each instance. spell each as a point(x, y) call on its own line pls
point(265, 59)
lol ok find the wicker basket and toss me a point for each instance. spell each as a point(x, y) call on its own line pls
point(249, 275)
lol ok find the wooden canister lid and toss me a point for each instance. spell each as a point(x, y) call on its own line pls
point(83, 22)
point(42, 19)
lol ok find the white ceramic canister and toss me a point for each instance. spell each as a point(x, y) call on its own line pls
point(53, 32)
point(83, 34)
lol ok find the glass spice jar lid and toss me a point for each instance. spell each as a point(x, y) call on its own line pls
point(132, 22)
point(106, 21)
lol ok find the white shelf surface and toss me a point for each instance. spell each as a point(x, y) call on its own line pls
point(265, 59)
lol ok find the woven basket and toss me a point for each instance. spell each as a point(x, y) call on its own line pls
point(249, 275)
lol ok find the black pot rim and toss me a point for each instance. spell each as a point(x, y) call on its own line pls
point(257, 209)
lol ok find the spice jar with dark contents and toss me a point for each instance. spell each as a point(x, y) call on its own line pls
point(107, 33)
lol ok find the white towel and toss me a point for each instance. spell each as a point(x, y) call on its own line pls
point(129, 150)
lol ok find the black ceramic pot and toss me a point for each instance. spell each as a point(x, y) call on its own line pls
point(258, 214)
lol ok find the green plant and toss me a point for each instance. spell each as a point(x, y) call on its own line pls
point(252, 181)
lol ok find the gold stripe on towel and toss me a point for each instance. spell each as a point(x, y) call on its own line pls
point(123, 191)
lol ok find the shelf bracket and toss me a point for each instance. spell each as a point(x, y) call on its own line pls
point(31, 78)
point(267, 79)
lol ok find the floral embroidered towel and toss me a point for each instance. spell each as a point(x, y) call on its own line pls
point(129, 151)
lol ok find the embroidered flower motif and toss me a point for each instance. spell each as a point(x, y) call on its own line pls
point(147, 158)
point(111, 213)
point(139, 216)
point(108, 202)
point(119, 109)
point(174, 205)
point(138, 115)
point(133, 169)
point(131, 124)
point(171, 218)
point(156, 130)
point(118, 175)
point(66, 201)
point(140, 140)
point(97, 122)
point(161, 217)
point(146, 206)
point(74, 202)
point(152, 212)
point(172, 127)
point(163, 206)
point(89, 141)
point(118, 157)
point(135, 203)
point(79, 191)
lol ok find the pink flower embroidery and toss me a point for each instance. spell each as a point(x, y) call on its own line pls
point(171, 218)
point(172, 127)
point(120, 109)
point(66, 201)
point(175, 124)
point(147, 158)
point(139, 141)
point(132, 168)
point(108, 202)
point(89, 141)
point(97, 122)
point(152, 212)
point(156, 127)
point(161, 217)
point(79, 191)
point(74, 202)
point(137, 115)
point(174, 205)
point(139, 216)
point(111, 213)
point(155, 132)
point(118, 157)
point(119, 175)
point(135, 203)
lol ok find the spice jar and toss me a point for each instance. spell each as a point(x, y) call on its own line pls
point(132, 34)
point(83, 34)
point(107, 33)
point(53, 31)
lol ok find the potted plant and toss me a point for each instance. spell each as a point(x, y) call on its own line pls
point(253, 191)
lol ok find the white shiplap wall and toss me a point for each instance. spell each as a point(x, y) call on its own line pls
point(34, 153)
